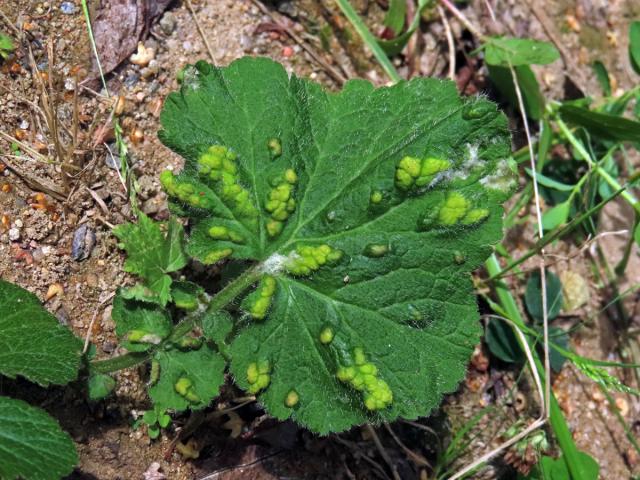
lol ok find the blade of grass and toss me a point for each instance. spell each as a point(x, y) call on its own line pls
point(554, 235)
point(563, 435)
point(368, 39)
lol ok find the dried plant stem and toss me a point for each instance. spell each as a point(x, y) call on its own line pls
point(450, 43)
point(543, 279)
point(200, 31)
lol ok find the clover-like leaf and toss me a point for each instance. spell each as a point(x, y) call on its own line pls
point(188, 379)
point(365, 209)
point(151, 254)
point(32, 444)
point(33, 344)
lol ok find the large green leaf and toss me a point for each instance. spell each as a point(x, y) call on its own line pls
point(33, 344)
point(151, 254)
point(32, 445)
point(363, 267)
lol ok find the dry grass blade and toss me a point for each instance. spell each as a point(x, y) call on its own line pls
point(383, 452)
point(332, 72)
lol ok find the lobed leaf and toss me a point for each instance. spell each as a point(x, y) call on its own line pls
point(188, 379)
point(151, 254)
point(366, 210)
point(139, 324)
point(33, 344)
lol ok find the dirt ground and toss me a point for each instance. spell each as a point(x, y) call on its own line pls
point(56, 241)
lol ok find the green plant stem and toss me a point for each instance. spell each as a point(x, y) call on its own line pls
point(120, 362)
point(218, 302)
point(556, 418)
point(613, 183)
point(87, 18)
point(369, 39)
point(554, 235)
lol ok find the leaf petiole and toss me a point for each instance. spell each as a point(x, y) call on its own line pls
point(218, 302)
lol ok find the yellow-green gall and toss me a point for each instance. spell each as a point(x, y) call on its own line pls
point(258, 375)
point(274, 228)
point(275, 147)
point(407, 171)
point(218, 165)
point(184, 191)
point(216, 256)
point(307, 259)
point(476, 215)
point(376, 197)
point(184, 387)
point(260, 300)
point(417, 172)
point(431, 166)
point(292, 399)
point(454, 209)
point(363, 377)
point(142, 336)
point(326, 335)
point(290, 176)
point(280, 202)
point(218, 232)
point(376, 250)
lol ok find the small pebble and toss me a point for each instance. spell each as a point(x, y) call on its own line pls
point(168, 23)
point(68, 8)
point(83, 242)
point(14, 234)
point(287, 52)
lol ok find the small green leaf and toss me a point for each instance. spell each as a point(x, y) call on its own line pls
point(395, 16)
point(636, 234)
point(139, 325)
point(151, 254)
point(549, 182)
point(502, 342)
point(556, 216)
point(150, 417)
point(141, 293)
point(377, 207)
point(533, 295)
point(185, 295)
point(560, 337)
point(187, 379)
point(556, 468)
point(32, 443)
point(6, 45)
point(634, 45)
point(529, 87)
point(395, 45)
point(164, 420)
point(602, 76)
point(33, 344)
point(602, 125)
point(505, 51)
point(99, 386)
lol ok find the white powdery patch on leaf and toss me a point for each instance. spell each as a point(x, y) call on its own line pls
point(471, 162)
point(276, 263)
point(502, 180)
